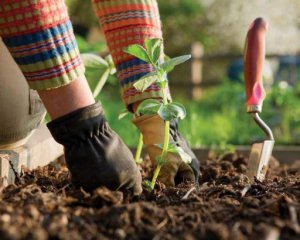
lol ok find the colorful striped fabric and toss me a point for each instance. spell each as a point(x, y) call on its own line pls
point(40, 37)
point(126, 22)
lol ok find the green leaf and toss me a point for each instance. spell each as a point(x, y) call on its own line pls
point(179, 150)
point(109, 59)
point(162, 84)
point(111, 64)
point(170, 64)
point(172, 111)
point(159, 145)
point(139, 161)
point(147, 185)
point(166, 58)
point(165, 113)
point(143, 83)
point(154, 48)
point(160, 161)
point(178, 108)
point(93, 62)
point(123, 114)
point(138, 51)
point(149, 107)
point(103, 79)
point(183, 155)
point(173, 148)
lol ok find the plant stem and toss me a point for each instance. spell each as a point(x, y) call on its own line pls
point(165, 94)
point(166, 142)
point(155, 175)
point(101, 83)
point(167, 128)
point(139, 150)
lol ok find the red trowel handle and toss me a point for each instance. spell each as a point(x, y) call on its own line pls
point(254, 56)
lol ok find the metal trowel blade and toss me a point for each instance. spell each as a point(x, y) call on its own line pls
point(259, 159)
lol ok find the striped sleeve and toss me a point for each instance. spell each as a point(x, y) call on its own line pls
point(39, 36)
point(127, 22)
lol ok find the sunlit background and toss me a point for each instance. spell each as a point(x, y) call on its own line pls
point(211, 84)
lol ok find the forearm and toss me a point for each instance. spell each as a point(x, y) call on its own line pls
point(127, 22)
point(40, 38)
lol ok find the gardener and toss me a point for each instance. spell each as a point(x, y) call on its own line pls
point(39, 37)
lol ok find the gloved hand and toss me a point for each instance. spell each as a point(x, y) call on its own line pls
point(174, 170)
point(94, 153)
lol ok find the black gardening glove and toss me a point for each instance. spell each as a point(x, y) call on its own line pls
point(182, 142)
point(94, 153)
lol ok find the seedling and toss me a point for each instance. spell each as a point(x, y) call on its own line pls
point(151, 53)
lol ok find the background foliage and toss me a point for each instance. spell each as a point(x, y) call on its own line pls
point(219, 118)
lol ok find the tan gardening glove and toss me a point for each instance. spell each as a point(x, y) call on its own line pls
point(174, 170)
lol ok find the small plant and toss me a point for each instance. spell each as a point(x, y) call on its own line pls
point(166, 109)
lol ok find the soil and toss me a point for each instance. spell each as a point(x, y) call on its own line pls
point(43, 204)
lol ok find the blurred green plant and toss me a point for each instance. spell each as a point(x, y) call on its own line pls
point(85, 47)
point(82, 13)
point(220, 118)
point(183, 24)
point(98, 71)
point(284, 112)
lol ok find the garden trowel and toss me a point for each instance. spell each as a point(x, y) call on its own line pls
point(254, 56)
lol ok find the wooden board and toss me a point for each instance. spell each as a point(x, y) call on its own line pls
point(39, 150)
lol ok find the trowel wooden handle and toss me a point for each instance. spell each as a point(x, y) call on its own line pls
point(254, 56)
